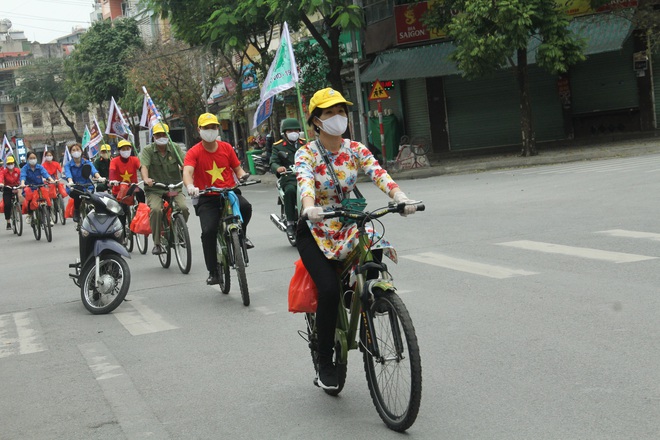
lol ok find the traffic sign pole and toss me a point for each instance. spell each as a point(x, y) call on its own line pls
point(382, 132)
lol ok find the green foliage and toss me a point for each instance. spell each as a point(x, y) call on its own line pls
point(96, 69)
point(40, 82)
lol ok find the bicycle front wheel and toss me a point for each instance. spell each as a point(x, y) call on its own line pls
point(239, 261)
point(181, 243)
point(166, 257)
point(45, 222)
point(60, 208)
point(35, 223)
point(394, 373)
point(17, 220)
point(54, 212)
point(142, 242)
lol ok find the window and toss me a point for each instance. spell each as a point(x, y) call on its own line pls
point(376, 10)
point(55, 118)
point(37, 120)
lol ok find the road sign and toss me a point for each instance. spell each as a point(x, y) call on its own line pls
point(378, 92)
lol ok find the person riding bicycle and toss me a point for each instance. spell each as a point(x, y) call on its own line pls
point(10, 176)
point(34, 174)
point(288, 145)
point(102, 164)
point(327, 170)
point(213, 163)
point(124, 169)
point(161, 162)
point(55, 170)
point(73, 174)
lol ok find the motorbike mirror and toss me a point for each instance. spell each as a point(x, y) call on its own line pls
point(86, 171)
point(283, 155)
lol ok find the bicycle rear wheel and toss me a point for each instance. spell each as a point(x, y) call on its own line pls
point(17, 220)
point(239, 261)
point(394, 375)
point(313, 343)
point(54, 212)
point(420, 146)
point(181, 243)
point(60, 208)
point(45, 223)
point(166, 257)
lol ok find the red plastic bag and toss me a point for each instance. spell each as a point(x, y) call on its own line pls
point(52, 191)
point(2, 205)
point(303, 295)
point(121, 195)
point(62, 190)
point(68, 211)
point(140, 223)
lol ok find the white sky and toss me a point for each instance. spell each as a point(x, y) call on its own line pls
point(45, 20)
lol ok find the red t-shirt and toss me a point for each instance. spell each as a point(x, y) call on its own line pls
point(212, 169)
point(124, 170)
point(52, 167)
point(10, 177)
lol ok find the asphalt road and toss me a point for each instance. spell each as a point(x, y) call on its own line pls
point(533, 293)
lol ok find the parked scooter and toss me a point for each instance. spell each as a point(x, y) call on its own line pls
point(261, 165)
point(101, 271)
point(280, 220)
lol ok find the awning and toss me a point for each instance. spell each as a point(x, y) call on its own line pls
point(602, 32)
point(226, 112)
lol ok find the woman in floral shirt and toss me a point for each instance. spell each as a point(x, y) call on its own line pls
point(323, 244)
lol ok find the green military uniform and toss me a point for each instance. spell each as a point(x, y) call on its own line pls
point(288, 182)
point(103, 167)
point(163, 168)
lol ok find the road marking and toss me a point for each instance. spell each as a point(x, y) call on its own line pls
point(594, 254)
point(631, 234)
point(134, 416)
point(487, 270)
point(23, 337)
point(139, 319)
point(264, 310)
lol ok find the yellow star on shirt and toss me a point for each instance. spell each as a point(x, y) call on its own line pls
point(126, 177)
point(216, 173)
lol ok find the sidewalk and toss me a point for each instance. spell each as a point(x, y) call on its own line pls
point(599, 148)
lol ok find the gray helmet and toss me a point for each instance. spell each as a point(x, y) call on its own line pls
point(289, 124)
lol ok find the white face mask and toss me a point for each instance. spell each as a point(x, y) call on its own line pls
point(125, 154)
point(10, 167)
point(76, 154)
point(335, 125)
point(293, 137)
point(209, 135)
point(32, 162)
point(161, 141)
point(49, 158)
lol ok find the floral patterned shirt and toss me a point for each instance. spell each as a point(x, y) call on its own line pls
point(335, 239)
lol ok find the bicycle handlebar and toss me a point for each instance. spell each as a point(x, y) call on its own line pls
point(168, 186)
point(215, 190)
point(369, 215)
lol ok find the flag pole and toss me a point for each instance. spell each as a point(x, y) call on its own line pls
point(160, 121)
point(300, 109)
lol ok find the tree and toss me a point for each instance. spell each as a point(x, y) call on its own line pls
point(491, 35)
point(175, 75)
point(95, 71)
point(42, 83)
point(646, 17)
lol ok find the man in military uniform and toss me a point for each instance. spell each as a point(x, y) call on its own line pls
point(289, 144)
point(102, 165)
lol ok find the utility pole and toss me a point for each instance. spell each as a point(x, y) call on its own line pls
point(358, 84)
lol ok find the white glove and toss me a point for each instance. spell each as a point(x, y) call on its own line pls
point(101, 179)
point(400, 197)
point(193, 191)
point(314, 213)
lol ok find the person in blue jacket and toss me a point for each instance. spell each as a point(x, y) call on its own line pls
point(73, 174)
point(33, 173)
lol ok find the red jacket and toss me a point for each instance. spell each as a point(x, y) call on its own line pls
point(10, 177)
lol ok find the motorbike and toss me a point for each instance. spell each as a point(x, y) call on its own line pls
point(261, 165)
point(101, 272)
point(280, 220)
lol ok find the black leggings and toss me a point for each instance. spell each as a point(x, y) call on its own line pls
point(6, 196)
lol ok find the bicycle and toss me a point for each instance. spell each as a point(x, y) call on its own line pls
point(231, 249)
point(16, 212)
point(412, 154)
point(174, 231)
point(129, 212)
point(57, 211)
point(386, 336)
point(40, 217)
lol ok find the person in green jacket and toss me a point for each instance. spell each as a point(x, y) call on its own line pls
point(102, 165)
point(279, 163)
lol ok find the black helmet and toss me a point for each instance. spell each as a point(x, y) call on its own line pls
point(289, 124)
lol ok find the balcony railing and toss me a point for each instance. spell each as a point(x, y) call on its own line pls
point(14, 64)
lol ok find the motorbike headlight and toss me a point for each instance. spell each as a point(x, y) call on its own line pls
point(112, 205)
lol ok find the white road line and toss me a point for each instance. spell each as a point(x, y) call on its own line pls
point(487, 270)
point(631, 234)
point(139, 319)
point(594, 254)
point(7, 342)
point(264, 310)
point(30, 336)
point(134, 416)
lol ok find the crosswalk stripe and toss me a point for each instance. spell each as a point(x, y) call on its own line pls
point(487, 270)
point(631, 234)
point(140, 319)
point(594, 254)
point(23, 337)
